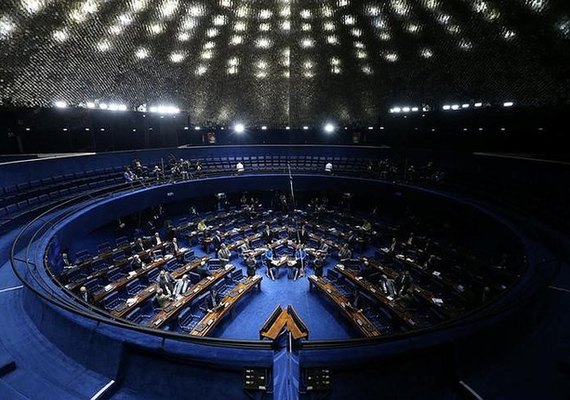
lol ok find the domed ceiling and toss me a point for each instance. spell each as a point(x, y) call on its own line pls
point(288, 62)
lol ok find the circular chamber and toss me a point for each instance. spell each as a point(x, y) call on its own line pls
point(232, 258)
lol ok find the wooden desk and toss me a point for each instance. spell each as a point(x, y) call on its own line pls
point(170, 311)
point(393, 306)
point(356, 317)
point(122, 282)
point(213, 318)
point(424, 294)
point(103, 271)
point(145, 294)
point(280, 319)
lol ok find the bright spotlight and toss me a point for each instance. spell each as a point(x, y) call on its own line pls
point(90, 104)
point(60, 104)
point(447, 107)
point(263, 128)
point(239, 128)
point(478, 105)
point(103, 106)
point(197, 128)
point(329, 128)
point(508, 104)
point(305, 128)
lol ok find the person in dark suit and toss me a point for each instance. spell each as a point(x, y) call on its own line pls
point(344, 253)
point(318, 265)
point(165, 282)
point(403, 283)
point(224, 254)
point(387, 285)
point(212, 300)
point(270, 268)
point(251, 265)
point(161, 298)
point(217, 241)
point(137, 263)
point(85, 295)
point(267, 235)
point(156, 240)
point(139, 246)
point(355, 300)
point(182, 285)
point(304, 234)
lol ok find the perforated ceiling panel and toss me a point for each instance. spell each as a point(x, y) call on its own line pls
point(284, 61)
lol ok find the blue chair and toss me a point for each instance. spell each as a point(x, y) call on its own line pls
point(112, 301)
point(93, 285)
point(134, 287)
point(135, 315)
point(237, 275)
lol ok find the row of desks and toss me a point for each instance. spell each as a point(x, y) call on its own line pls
point(193, 292)
point(103, 271)
point(209, 322)
point(355, 316)
point(145, 294)
point(393, 306)
point(427, 296)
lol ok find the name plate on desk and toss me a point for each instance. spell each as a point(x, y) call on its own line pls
point(108, 288)
point(436, 273)
point(131, 275)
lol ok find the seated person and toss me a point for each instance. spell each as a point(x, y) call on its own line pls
point(344, 253)
point(212, 300)
point(393, 245)
point(244, 247)
point(202, 225)
point(217, 240)
point(366, 226)
point(324, 247)
point(162, 299)
point(156, 240)
point(251, 264)
point(403, 283)
point(318, 265)
point(139, 246)
point(174, 247)
point(67, 264)
point(355, 300)
point(137, 263)
point(84, 294)
point(270, 270)
point(129, 175)
point(224, 254)
point(182, 285)
point(165, 282)
point(387, 286)
point(303, 234)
